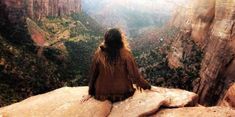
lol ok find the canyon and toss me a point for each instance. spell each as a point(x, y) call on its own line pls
point(29, 27)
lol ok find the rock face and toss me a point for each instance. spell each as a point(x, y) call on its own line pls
point(66, 102)
point(218, 59)
point(12, 9)
point(36, 9)
point(13, 14)
point(229, 98)
point(203, 16)
point(179, 50)
point(212, 27)
point(41, 8)
point(12, 22)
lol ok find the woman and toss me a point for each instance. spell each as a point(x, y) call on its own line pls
point(114, 70)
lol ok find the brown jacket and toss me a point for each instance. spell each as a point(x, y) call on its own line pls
point(115, 82)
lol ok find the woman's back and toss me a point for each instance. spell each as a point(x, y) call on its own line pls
point(114, 70)
point(113, 80)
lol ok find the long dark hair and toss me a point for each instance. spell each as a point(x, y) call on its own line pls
point(114, 40)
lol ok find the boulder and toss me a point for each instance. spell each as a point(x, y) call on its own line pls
point(66, 102)
point(144, 103)
point(63, 102)
point(177, 97)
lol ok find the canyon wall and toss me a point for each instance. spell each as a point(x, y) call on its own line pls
point(13, 14)
point(40, 8)
point(12, 21)
point(25, 57)
point(36, 9)
point(212, 28)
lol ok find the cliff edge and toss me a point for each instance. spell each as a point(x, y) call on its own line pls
point(65, 102)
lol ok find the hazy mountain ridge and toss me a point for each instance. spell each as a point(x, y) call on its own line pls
point(130, 15)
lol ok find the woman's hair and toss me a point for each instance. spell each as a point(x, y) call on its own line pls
point(114, 40)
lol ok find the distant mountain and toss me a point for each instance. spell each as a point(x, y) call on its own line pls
point(130, 15)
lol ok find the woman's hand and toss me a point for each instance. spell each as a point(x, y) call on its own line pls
point(139, 88)
point(85, 98)
point(143, 86)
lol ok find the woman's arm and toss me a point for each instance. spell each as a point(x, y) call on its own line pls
point(94, 74)
point(135, 75)
point(93, 77)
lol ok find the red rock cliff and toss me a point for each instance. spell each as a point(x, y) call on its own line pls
point(13, 14)
point(40, 8)
point(36, 9)
point(211, 25)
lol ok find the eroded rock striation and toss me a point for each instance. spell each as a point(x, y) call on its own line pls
point(41, 8)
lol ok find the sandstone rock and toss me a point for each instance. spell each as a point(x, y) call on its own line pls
point(203, 15)
point(212, 27)
point(218, 56)
point(196, 112)
point(229, 98)
point(37, 34)
point(179, 50)
point(91, 108)
point(176, 54)
point(144, 103)
point(37, 9)
point(213, 82)
point(61, 102)
point(177, 97)
point(42, 8)
point(182, 17)
point(65, 102)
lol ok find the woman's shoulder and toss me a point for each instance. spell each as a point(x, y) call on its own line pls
point(99, 54)
point(100, 50)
